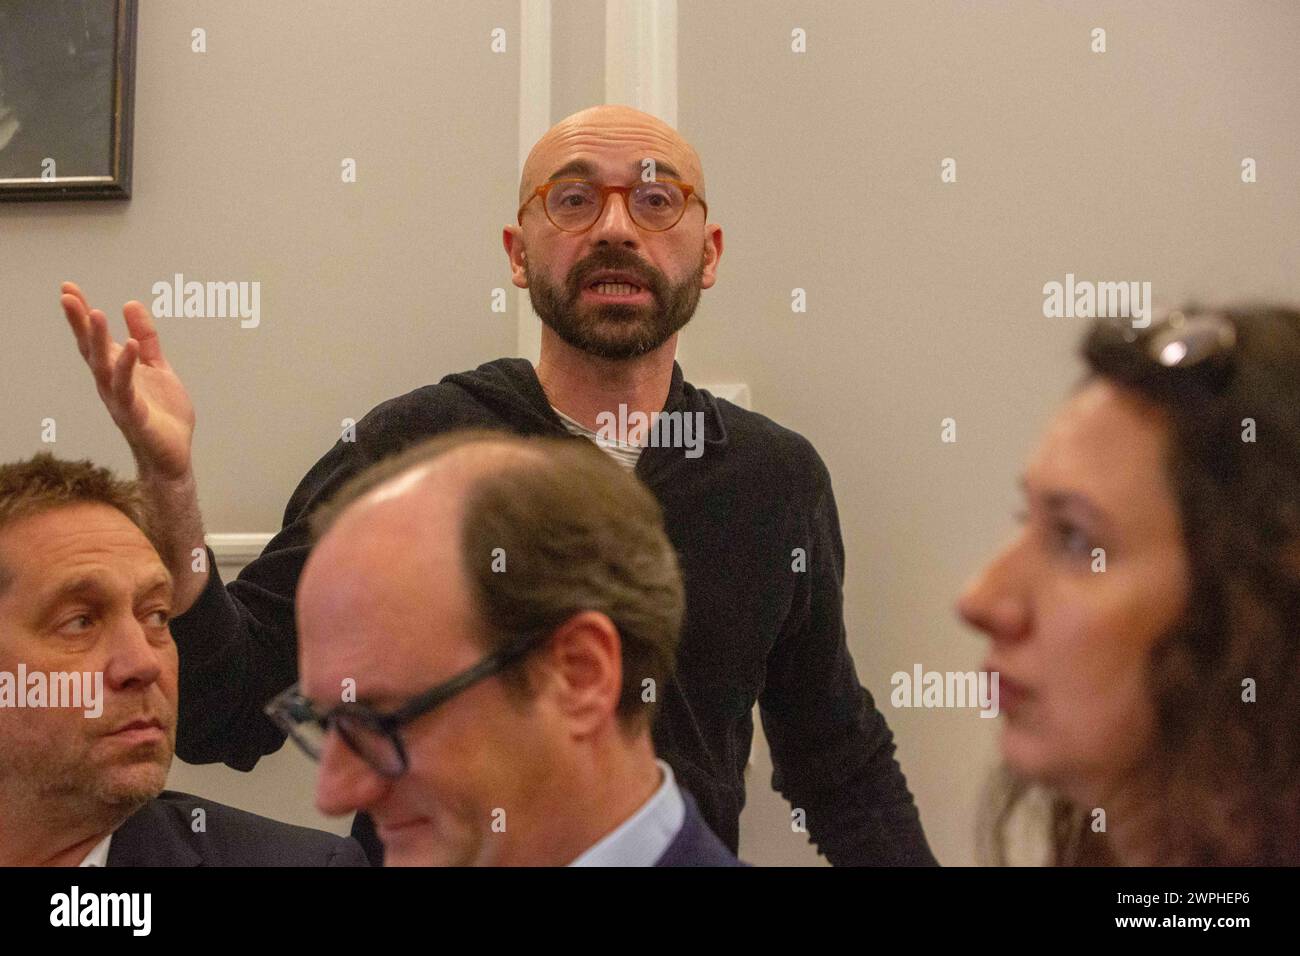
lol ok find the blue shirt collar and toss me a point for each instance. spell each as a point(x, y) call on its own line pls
point(642, 838)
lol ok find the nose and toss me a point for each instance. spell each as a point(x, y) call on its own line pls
point(994, 601)
point(615, 222)
point(345, 782)
point(133, 661)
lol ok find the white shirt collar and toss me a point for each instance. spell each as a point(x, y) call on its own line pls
point(642, 838)
point(99, 855)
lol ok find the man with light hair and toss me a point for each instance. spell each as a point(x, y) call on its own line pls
point(84, 595)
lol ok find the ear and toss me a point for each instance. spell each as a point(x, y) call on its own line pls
point(585, 660)
point(712, 253)
point(512, 237)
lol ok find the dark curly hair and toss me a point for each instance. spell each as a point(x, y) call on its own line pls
point(1221, 785)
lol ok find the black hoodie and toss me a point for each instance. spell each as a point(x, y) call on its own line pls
point(762, 624)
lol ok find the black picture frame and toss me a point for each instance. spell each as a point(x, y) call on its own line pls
point(116, 182)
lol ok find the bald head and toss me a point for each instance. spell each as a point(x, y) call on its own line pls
point(641, 135)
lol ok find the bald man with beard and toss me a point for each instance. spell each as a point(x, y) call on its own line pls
point(612, 241)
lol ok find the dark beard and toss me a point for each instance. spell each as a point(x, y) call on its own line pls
point(614, 331)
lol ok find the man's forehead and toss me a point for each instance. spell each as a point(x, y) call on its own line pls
point(385, 598)
point(596, 169)
point(616, 157)
point(402, 531)
point(89, 547)
point(392, 554)
point(58, 535)
point(615, 144)
point(382, 603)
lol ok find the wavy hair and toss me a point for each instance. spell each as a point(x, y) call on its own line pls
point(1221, 784)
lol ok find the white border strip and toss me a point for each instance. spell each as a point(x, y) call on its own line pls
point(236, 550)
point(641, 62)
point(534, 120)
point(641, 56)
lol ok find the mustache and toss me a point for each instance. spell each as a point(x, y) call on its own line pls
point(139, 721)
point(120, 714)
point(648, 277)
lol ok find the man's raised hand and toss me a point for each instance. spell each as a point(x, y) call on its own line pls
point(138, 387)
point(150, 406)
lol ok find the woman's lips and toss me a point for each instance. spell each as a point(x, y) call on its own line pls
point(1012, 694)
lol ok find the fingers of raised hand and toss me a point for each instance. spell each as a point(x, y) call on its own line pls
point(75, 311)
point(101, 349)
point(123, 374)
point(140, 325)
point(74, 290)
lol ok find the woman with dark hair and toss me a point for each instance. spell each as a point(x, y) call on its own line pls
point(1145, 622)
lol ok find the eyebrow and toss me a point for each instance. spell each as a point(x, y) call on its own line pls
point(1061, 500)
point(91, 587)
point(582, 167)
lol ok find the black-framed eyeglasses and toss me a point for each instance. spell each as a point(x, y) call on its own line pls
point(372, 735)
point(574, 205)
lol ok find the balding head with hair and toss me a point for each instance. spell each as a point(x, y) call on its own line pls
point(441, 556)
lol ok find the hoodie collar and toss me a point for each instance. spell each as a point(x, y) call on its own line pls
point(511, 387)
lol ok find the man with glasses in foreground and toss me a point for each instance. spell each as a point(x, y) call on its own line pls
point(485, 626)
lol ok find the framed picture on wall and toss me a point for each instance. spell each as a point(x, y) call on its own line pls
point(67, 78)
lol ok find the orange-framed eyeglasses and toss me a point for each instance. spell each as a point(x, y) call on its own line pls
point(574, 205)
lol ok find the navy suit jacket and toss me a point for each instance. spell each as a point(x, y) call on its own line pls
point(162, 833)
point(695, 844)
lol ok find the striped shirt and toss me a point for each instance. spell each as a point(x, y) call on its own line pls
point(625, 455)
